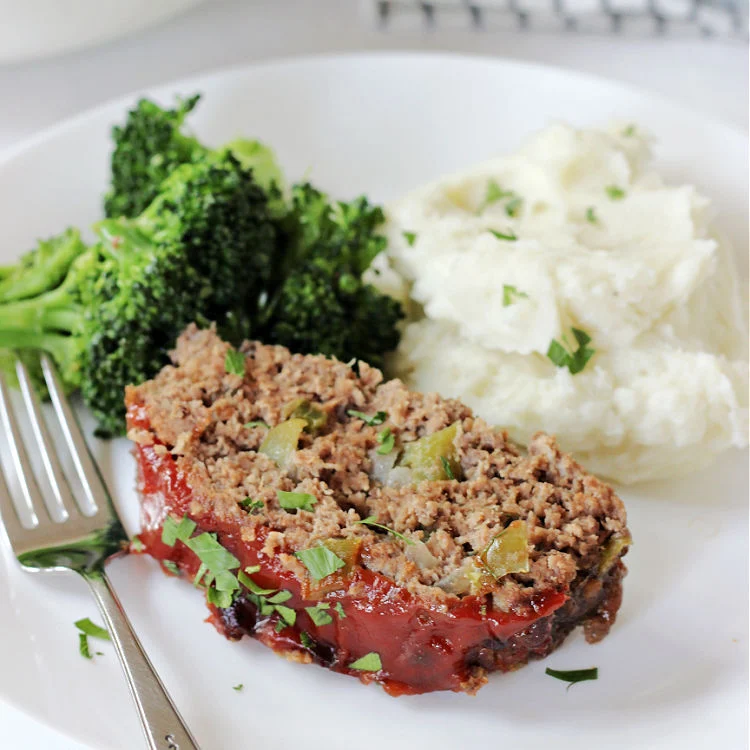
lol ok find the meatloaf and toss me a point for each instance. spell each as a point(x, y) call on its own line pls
point(351, 522)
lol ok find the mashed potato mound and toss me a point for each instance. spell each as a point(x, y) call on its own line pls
point(602, 245)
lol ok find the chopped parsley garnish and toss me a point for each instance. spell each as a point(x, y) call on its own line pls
point(173, 531)
point(512, 207)
point(378, 418)
point(137, 545)
point(249, 583)
point(410, 238)
point(591, 216)
point(217, 559)
point(287, 614)
point(220, 599)
point(305, 640)
point(563, 355)
point(319, 615)
point(370, 521)
point(234, 363)
point(447, 467)
point(257, 423)
point(89, 629)
point(279, 626)
point(339, 610)
point(171, 567)
point(199, 575)
point(510, 236)
point(614, 192)
point(368, 663)
point(238, 687)
point(387, 441)
point(511, 295)
point(296, 500)
point(280, 597)
point(251, 505)
point(83, 646)
point(629, 131)
point(571, 676)
point(320, 561)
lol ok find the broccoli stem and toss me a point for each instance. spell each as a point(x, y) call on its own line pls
point(57, 344)
point(50, 311)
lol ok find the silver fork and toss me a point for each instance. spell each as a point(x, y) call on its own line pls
point(80, 543)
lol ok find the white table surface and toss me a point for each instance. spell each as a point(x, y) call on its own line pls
point(706, 75)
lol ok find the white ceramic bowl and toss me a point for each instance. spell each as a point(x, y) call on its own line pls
point(40, 28)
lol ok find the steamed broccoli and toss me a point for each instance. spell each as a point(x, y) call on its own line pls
point(150, 147)
point(321, 305)
point(202, 249)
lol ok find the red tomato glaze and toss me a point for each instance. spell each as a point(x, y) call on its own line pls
point(422, 648)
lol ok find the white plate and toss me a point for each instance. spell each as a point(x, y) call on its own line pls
point(673, 672)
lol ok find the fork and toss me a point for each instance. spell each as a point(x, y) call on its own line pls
point(79, 542)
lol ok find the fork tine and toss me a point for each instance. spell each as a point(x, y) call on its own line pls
point(29, 488)
point(20, 537)
point(51, 463)
point(93, 485)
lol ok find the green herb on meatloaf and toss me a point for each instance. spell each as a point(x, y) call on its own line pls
point(378, 418)
point(202, 235)
point(173, 530)
point(571, 676)
point(234, 363)
point(251, 505)
point(447, 468)
point(319, 614)
point(370, 521)
point(563, 354)
point(320, 561)
point(339, 610)
point(387, 441)
point(256, 423)
point(368, 663)
point(296, 500)
point(171, 566)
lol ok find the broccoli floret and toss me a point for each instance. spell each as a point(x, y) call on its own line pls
point(152, 145)
point(321, 305)
point(42, 268)
point(201, 250)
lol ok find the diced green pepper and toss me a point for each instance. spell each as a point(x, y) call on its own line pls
point(612, 550)
point(302, 408)
point(281, 441)
point(424, 456)
point(508, 552)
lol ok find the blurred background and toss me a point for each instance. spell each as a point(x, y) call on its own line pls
point(61, 57)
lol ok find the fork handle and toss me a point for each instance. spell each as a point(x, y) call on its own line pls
point(162, 724)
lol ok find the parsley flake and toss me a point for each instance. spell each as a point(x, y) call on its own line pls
point(296, 500)
point(320, 561)
point(250, 584)
point(238, 687)
point(136, 545)
point(91, 628)
point(563, 356)
point(512, 207)
point(447, 467)
point(511, 294)
point(378, 418)
point(280, 597)
point(591, 216)
point(234, 363)
point(305, 640)
point(614, 192)
point(387, 441)
point(171, 567)
point(368, 663)
point(319, 615)
point(217, 559)
point(201, 572)
point(510, 236)
point(629, 131)
point(173, 531)
point(339, 610)
point(571, 676)
point(370, 521)
point(251, 505)
point(287, 614)
point(220, 599)
point(257, 423)
point(410, 238)
point(83, 646)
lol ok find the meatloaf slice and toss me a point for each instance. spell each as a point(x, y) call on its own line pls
point(349, 521)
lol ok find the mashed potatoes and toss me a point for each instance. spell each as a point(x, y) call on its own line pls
point(575, 231)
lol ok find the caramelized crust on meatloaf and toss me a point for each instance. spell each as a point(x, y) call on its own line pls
point(193, 423)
